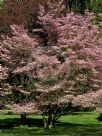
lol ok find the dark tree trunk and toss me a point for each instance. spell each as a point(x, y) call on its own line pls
point(56, 117)
point(82, 6)
point(49, 122)
point(45, 123)
point(89, 5)
point(100, 117)
point(23, 119)
point(68, 4)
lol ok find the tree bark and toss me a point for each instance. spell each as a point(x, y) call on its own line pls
point(100, 117)
point(82, 6)
point(48, 122)
point(23, 119)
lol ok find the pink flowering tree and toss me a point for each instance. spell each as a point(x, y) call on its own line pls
point(62, 61)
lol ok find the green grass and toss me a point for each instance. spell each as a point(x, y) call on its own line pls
point(78, 124)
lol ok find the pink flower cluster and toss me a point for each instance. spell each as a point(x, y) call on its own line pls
point(71, 61)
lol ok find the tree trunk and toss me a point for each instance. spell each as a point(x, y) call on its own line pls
point(48, 122)
point(45, 123)
point(23, 119)
point(82, 6)
point(56, 117)
point(100, 117)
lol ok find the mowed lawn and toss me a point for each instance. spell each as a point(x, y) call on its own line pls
point(78, 124)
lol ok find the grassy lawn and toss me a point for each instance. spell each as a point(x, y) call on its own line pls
point(78, 124)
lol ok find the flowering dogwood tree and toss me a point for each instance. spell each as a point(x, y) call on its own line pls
point(62, 61)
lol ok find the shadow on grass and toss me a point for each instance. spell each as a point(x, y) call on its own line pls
point(9, 123)
point(99, 118)
point(35, 127)
point(34, 122)
point(15, 122)
point(31, 122)
point(64, 124)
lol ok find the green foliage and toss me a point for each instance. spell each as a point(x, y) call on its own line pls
point(80, 6)
point(96, 6)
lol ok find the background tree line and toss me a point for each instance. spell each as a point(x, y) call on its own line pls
point(79, 5)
